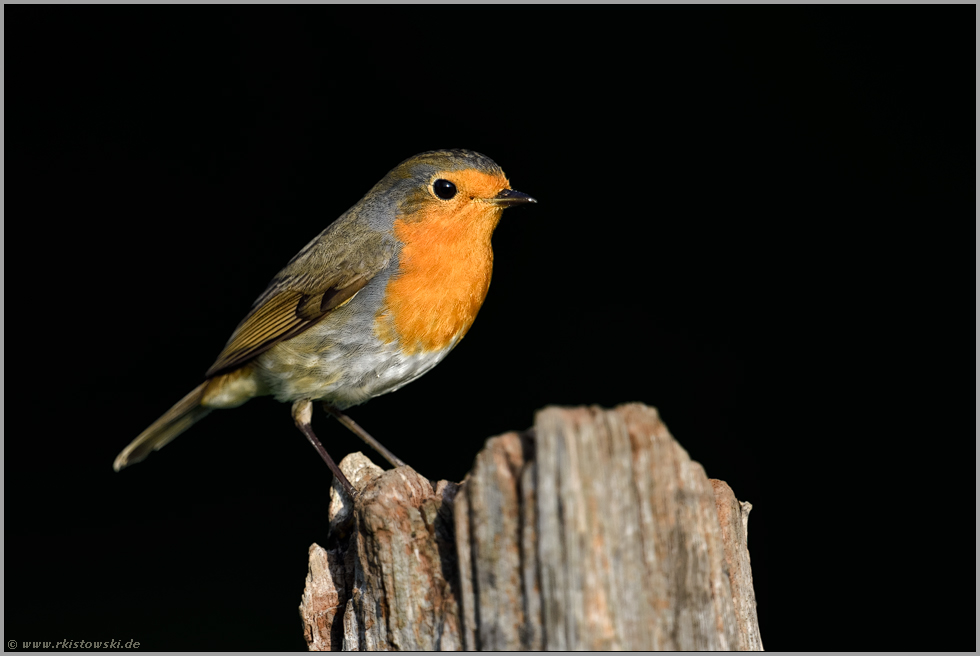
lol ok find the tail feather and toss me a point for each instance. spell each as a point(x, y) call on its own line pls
point(185, 413)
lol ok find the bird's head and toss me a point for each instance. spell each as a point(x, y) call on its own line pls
point(453, 188)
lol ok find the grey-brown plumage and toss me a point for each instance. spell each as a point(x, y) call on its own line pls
point(370, 304)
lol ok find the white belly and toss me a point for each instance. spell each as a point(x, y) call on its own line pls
point(344, 374)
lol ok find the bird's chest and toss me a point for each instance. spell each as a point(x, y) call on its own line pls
point(442, 278)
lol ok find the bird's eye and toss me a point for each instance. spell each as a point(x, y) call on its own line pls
point(444, 189)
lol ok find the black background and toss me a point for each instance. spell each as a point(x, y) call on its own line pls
point(748, 218)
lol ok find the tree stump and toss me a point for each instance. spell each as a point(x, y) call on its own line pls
point(593, 530)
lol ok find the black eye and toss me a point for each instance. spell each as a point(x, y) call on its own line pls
point(444, 189)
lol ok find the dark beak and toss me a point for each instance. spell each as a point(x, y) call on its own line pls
point(509, 198)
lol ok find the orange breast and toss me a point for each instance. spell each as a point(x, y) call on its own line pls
point(443, 276)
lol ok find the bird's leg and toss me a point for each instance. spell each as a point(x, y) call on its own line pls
point(302, 414)
point(363, 434)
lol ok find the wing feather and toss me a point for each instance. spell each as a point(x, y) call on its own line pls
point(317, 281)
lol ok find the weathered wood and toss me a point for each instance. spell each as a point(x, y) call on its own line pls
point(733, 516)
point(594, 530)
point(389, 585)
point(330, 578)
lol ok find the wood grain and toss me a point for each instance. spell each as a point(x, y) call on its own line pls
point(593, 530)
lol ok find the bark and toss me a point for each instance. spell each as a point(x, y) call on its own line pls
point(593, 530)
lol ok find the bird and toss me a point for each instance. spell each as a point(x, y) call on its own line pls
point(372, 303)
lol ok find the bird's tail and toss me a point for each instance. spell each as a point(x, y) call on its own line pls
point(185, 413)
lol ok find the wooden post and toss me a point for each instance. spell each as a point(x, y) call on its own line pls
point(593, 530)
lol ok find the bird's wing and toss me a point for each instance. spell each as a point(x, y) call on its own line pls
point(323, 277)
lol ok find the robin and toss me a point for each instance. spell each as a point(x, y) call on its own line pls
point(372, 303)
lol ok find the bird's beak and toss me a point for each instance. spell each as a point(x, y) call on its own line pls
point(509, 198)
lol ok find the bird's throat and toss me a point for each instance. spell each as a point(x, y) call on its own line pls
point(443, 275)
